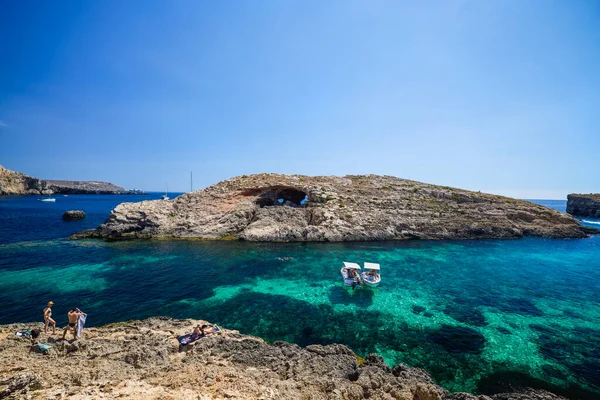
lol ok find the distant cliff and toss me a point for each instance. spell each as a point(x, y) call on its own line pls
point(285, 208)
point(585, 205)
point(17, 183)
point(12, 182)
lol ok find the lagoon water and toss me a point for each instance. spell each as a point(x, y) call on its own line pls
point(482, 316)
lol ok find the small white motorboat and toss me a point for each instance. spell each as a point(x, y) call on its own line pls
point(350, 274)
point(370, 276)
point(49, 199)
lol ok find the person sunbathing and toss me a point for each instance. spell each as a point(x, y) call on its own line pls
point(197, 332)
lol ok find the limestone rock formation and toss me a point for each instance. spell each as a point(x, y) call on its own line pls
point(83, 187)
point(585, 205)
point(73, 215)
point(143, 360)
point(16, 183)
point(272, 207)
point(12, 183)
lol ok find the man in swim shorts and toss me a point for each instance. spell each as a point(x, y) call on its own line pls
point(73, 315)
point(48, 318)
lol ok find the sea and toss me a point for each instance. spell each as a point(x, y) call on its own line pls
point(483, 316)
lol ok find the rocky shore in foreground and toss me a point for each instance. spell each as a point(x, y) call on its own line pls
point(585, 205)
point(273, 207)
point(17, 183)
point(143, 360)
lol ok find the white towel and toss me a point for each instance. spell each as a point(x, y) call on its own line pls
point(80, 324)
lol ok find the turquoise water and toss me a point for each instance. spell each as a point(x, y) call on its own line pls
point(480, 316)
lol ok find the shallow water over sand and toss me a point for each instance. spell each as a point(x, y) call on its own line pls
point(478, 315)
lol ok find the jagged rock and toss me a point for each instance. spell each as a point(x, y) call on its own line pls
point(585, 205)
point(19, 384)
point(73, 215)
point(142, 359)
point(350, 208)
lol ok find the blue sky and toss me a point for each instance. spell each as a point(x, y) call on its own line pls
point(501, 96)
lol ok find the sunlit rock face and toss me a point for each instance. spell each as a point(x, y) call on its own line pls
point(273, 207)
point(16, 183)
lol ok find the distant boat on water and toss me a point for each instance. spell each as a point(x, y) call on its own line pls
point(166, 195)
point(48, 199)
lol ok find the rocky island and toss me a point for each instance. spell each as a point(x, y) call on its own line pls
point(17, 183)
point(585, 205)
point(143, 360)
point(274, 207)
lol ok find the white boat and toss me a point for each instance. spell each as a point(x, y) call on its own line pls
point(371, 276)
point(48, 199)
point(350, 274)
point(166, 195)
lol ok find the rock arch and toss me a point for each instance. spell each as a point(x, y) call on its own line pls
point(270, 196)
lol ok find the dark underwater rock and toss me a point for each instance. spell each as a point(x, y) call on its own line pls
point(73, 215)
point(519, 306)
point(510, 385)
point(416, 309)
point(458, 339)
point(466, 315)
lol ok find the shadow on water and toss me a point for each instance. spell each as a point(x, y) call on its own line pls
point(345, 295)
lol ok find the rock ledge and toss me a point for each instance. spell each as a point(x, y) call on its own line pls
point(142, 359)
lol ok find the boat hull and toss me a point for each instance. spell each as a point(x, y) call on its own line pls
point(347, 281)
point(370, 280)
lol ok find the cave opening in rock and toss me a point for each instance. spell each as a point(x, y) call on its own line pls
point(282, 196)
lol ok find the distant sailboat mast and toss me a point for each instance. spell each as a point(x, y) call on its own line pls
point(166, 195)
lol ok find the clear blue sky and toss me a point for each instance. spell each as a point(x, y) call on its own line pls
point(498, 96)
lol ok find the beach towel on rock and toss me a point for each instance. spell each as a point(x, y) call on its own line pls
point(188, 339)
point(80, 324)
point(41, 348)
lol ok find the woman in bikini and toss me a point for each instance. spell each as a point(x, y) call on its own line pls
point(48, 318)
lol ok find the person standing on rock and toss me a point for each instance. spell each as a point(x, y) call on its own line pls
point(73, 315)
point(48, 318)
